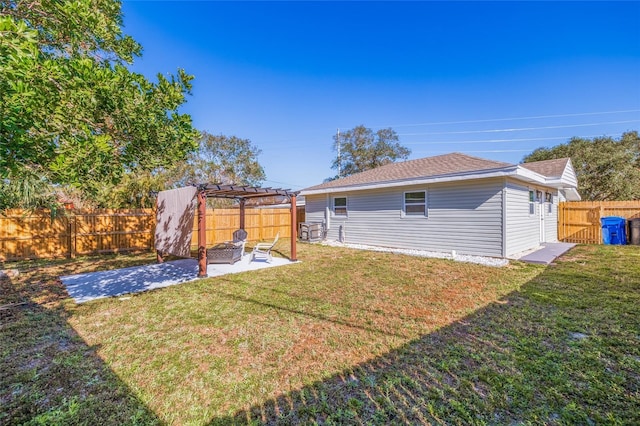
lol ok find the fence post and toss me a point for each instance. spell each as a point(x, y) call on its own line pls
point(599, 222)
point(69, 237)
point(73, 230)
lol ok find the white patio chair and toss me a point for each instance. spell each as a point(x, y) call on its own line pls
point(263, 250)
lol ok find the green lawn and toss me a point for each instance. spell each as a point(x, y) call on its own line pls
point(345, 337)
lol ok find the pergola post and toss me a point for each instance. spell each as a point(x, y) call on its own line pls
point(294, 228)
point(242, 213)
point(202, 234)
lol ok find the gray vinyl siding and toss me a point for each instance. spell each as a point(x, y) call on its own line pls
point(314, 208)
point(523, 229)
point(462, 216)
point(569, 178)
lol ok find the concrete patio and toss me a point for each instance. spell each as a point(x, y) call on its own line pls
point(96, 285)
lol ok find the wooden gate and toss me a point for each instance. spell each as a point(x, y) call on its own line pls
point(579, 221)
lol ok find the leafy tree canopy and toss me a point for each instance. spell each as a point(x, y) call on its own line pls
point(71, 113)
point(218, 159)
point(361, 149)
point(607, 169)
point(221, 159)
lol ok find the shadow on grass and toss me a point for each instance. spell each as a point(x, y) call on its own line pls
point(48, 374)
point(565, 349)
point(303, 313)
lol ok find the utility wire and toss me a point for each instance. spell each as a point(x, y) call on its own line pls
point(503, 140)
point(460, 132)
point(282, 183)
point(478, 152)
point(535, 117)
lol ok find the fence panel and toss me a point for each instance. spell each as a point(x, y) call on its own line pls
point(35, 234)
point(111, 231)
point(260, 224)
point(26, 235)
point(579, 221)
point(220, 226)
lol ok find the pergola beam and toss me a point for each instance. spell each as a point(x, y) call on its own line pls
point(236, 191)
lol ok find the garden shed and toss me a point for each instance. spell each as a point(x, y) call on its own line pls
point(452, 202)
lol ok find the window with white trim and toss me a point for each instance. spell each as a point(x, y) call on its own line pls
point(532, 202)
point(340, 206)
point(415, 203)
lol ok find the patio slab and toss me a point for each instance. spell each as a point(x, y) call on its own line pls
point(548, 253)
point(96, 285)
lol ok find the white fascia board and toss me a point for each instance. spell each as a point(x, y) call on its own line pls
point(558, 182)
point(476, 174)
point(530, 176)
point(571, 194)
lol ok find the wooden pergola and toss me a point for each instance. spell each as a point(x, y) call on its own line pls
point(242, 194)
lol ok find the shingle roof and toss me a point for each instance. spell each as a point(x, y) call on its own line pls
point(419, 168)
point(549, 168)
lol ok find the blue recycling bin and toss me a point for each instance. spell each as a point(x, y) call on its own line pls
point(614, 230)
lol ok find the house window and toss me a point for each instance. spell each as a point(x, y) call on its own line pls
point(548, 199)
point(340, 206)
point(532, 202)
point(415, 203)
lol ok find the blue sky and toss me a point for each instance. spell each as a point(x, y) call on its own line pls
point(491, 79)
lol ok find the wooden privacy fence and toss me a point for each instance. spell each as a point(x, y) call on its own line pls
point(260, 224)
point(579, 221)
point(31, 235)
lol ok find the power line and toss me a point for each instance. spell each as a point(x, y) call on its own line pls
point(482, 151)
point(460, 132)
point(283, 183)
point(502, 140)
point(534, 117)
point(502, 150)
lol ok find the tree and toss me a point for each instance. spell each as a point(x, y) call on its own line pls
point(29, 192)
point(361, 149)
point(607, 169)
point(220, 159)
point(71, 113)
